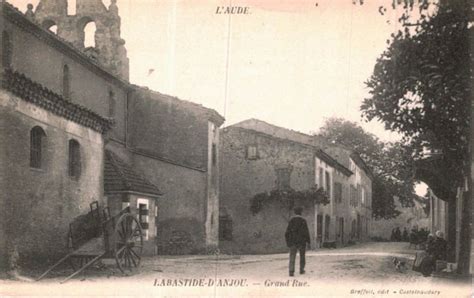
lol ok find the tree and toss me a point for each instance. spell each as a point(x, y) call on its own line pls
point(420, 88)
point(393, 173)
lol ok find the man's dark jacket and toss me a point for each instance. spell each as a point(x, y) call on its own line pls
point(297, 233)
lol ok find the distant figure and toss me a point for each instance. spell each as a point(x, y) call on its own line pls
point(440, 247)
point(392, 236)
point(405, 235)
point(398, 235)
point(436, 249)
point(414, 237)
point(297, 237)
point(429, 248)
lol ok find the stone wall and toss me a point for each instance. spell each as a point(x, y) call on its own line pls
point(242, 178)
point(43, 63)
point(38, 204)
point(182, 208)
point(109, 46)
point(168, 128)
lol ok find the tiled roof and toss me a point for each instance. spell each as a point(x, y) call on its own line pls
point(30, 91)
point(289, 135)
point(276, 131)
point(212, 114)
point(120, 177)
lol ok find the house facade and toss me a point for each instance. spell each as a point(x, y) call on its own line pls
point(257, 157)
point(354, 213)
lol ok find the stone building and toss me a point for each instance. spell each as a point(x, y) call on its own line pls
point(354, 215)
point(160, 155)
point(258, 157)
point(70, 18)
point(51, 146)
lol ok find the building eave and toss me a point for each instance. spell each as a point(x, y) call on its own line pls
point(317, 151)
point(30, 91)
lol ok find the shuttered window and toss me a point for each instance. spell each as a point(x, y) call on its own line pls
point(74, 159)
point(37, 140)
point(338, 192)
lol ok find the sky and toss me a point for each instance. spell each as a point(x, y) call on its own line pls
point(291, 63)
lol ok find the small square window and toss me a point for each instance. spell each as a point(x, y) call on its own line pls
point(252, 152)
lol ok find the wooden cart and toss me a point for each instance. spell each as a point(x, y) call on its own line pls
point(97, 235)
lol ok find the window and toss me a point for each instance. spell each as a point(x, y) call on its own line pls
point(252, 152)
point(111, 104)
point(74, 159)
point(66, 81)
point(106, 3)
point(71, 7)
point(338, 192)
point(283, 178)
point(51, 26)
point(6, 50)
point(363, 196)
point(225, 228)
point(37, 139)
point(214, 154)
point(359, 195)
point(89, 34)
point(143, 213)
point(321, 177)
point(353, 192)
point(327, 224)
point(328, 184)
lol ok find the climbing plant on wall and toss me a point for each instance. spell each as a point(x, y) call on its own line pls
point(289, 197)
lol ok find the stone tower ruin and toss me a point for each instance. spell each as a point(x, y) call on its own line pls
point(109, 50)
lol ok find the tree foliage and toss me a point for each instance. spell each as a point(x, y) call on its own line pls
point(289, 198)
point(420, 89)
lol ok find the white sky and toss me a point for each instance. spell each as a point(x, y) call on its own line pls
point(290, 63)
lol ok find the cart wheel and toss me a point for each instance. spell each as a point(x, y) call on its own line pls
point(128, 242)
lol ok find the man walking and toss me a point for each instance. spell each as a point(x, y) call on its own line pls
point(297, 236)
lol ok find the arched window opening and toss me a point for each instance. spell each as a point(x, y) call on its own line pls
point(54, 29)
point(89, 35)
point(111, 104)
point(106, 3)
point(50, 25)
point(71, 7)
point(74, 165)
point(6, 49)
point(66, 82)
point(37, 142)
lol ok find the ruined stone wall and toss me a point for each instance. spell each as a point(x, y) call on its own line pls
point(43, 63)
point(38, 204)
point(109, 46)
point(242, 178)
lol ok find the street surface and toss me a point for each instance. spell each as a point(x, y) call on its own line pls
point(360, 270)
